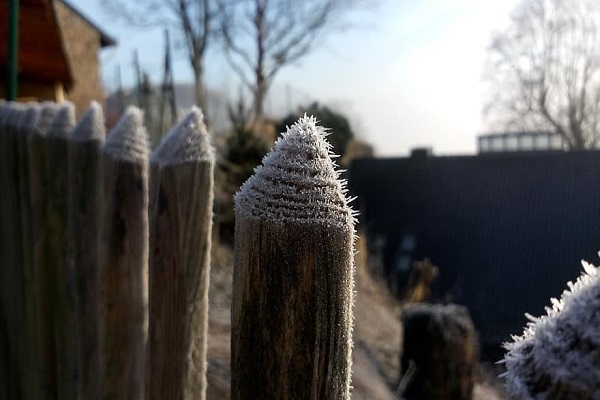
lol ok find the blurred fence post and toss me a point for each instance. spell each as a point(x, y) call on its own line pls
point(441, 344)
point(41, 280)
point(12, 308)
point(83, 231)
point(124, 260)
point(181, 221)
point(62, 278)
point(26, 126)
point(293, 275)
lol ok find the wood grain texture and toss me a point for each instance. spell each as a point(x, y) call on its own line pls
point(291, 310)
point(11, 262)
point(83, 231)
point(44, 342)
point(62, 279)
point(32, 385)
point(123, 278)
point(179, 273)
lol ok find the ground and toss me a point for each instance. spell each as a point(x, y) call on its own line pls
point(377, 335)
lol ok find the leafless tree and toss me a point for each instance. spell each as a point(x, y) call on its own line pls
point(544, 70)
point(263, 36)
point(195, 19)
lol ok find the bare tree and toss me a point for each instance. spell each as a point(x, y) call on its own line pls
point(195, 19)
point(262, 36)
point(544, 70)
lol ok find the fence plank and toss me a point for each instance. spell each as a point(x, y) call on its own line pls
point(11, 273)
point(64, 301)
point(180, 262)
point(4, 348)
point(42, 275)
point(124, 260)
point(84, 204)
point(26, 126)
point(293, 275)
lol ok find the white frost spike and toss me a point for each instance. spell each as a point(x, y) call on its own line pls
point(91, 125)
point(188, 141)
point(556, 356)
point(128, 140)
point(63, 122)
point(297, 181)
point(589, 268)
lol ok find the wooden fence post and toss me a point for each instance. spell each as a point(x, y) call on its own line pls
point(26, 126)
point(124, 259)
point(441, 344)
point(293, 275)
point(62, 278)
point(180, 262)
point(556, 356)
point(4, 348)
point(44, 337)
point(83, 231)
point(12, 308)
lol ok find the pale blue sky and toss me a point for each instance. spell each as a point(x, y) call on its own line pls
point(409, 74)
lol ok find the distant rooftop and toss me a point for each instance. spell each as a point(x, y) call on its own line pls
point(520, 141)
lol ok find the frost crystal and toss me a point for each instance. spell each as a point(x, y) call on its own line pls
point(188, 141)
point(557, 355)
point(63, 122)
point(128, 140)
point(91, 125)
point(297, 181)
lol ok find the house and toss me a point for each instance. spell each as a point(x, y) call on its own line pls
point(57, 53)
point(506, 230)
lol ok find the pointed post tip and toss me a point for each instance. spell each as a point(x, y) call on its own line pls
point(188, 141)
point(128, 140)
point(91, 126)
point(297, 181)
point(63, 122)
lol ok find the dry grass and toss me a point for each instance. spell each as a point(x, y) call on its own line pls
point(377, 335)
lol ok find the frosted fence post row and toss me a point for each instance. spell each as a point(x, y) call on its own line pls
point(105, 260)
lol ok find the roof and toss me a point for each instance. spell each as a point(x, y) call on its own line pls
point(507, 230)
point(41, 53)
point(105, 39)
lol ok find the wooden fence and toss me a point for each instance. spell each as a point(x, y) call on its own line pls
point(105, 255)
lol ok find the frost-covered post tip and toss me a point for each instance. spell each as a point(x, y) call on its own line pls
point(180, 233)
point(293, 274)
point(557, 355)
point(123, 275)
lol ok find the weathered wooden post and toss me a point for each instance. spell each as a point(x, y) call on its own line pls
point(4, 352)
point(83, 231)
point(62, 277)
point(26, 126)
point(180, 262)
point(123, 271)
point(556, 357)
point(12, 307)
point(440, 341)
point(293, 275)
point(41, 279)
